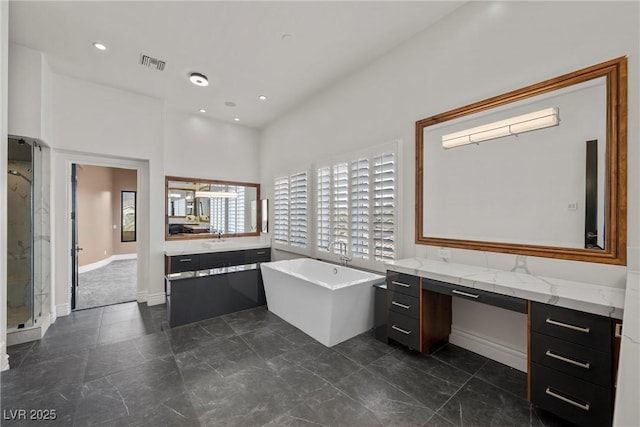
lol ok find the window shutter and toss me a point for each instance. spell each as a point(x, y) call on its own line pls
point(360, 209)
point(340, 198)
point(323, 209)
point(384, 207)
point(298, 210)
point(281, 210)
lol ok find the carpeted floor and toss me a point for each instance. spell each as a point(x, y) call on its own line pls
point(114, 283)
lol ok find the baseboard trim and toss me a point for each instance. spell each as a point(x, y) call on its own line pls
point(63, 310)
point(156, 299)
point(119, 257)
point(142, 296)
point(490, 348)
point(105, 262)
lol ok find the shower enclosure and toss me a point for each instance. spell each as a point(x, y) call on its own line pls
point(28, 243)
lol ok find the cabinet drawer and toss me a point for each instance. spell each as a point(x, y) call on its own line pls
point(404, 304)
point(582, 328)
point(259, 255)
point(578, 401)
point(403, 283)
point(573, 359)
point(181, 263)
point(477, 295)
point(404, 330)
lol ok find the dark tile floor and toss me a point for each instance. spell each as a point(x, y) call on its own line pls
point(120, 365)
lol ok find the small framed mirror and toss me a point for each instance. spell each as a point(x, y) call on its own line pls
point(128, 216)
point(537, 171)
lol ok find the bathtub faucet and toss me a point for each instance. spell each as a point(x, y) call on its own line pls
point(342, 246)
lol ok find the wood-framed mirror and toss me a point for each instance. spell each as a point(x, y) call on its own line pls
point(197, 208)
point(539, 171)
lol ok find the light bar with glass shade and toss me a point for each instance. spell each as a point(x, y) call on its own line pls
point(214, 194)
point(513, 126)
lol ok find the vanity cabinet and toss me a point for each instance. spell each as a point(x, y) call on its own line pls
point(403, 301)
point(198, 295)
point(203, 261)
point(416, 317)
point(572, 356)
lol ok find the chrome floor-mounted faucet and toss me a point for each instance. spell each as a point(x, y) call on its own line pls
point(344, 258)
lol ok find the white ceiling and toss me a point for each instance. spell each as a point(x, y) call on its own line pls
point(241, 46)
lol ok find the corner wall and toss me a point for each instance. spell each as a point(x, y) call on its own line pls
point(4, 71)
point(480, 50)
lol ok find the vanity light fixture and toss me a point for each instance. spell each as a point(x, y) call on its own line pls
point(198, 79)
point(512, 126)
point(217, 194)
point(99, 46)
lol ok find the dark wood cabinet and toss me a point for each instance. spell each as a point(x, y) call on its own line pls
point(572, 355)
point(226, 282)
point(191, 299)
point(572, 364)
point(204, 261)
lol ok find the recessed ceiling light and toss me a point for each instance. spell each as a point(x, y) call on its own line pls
point(99, 46)
point(262, 98)
point(202, 110)
point(237, 119)
point(198, 79)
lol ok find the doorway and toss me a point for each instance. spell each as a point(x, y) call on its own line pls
point(104, 235)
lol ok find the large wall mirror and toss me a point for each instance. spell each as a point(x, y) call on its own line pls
point(204, 208)
point(537, 171)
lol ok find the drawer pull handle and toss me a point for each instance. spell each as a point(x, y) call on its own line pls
point(186, 260)
point(618, 332)
point(568, 326)
point(584, 407)
point(465, 294)
point(404, 285)
point(406, 307)
point(261, 253)
point(404, 331)
point(551, 354)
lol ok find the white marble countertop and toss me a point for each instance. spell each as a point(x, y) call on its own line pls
point(201, 246)
point(590, 298)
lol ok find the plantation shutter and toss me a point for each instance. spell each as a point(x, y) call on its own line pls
point(281, 210)
point(298, 210)
point(384, 206)
point(340, 196)
point(360, 209)
point(323, 209)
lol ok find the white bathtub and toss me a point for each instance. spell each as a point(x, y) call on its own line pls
point(326, 301)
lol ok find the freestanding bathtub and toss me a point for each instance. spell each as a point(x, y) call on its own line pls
point(330, 303)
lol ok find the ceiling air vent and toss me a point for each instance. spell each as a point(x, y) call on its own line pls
point(151, 62)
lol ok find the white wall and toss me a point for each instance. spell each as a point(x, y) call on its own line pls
point(4, 71)
point(103, 122)
point(478, 51)
point(25, 91)
point(199, 147)
point(99, 125)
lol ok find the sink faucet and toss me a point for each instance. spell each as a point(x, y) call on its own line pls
point(342, 247)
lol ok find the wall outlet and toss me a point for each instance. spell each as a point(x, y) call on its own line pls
point(444, 253)
point(573, 206)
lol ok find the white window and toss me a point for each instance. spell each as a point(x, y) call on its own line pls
point(290, 214)
point(356, 204)
point(298, 210)
point(281, 210)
